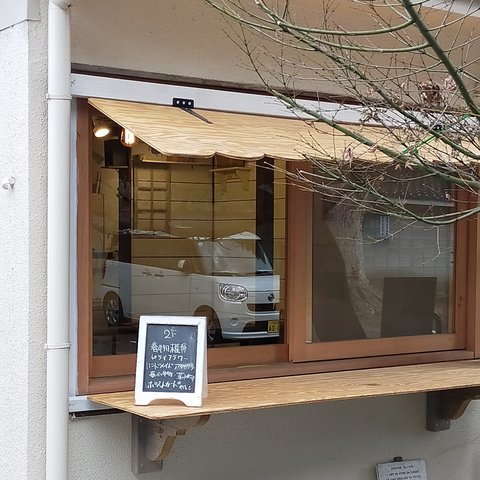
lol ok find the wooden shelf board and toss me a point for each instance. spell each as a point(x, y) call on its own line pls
point(243, 395)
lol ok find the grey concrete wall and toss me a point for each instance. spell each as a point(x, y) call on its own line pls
point(174, 37)
point(171, 37)
point(333, 441)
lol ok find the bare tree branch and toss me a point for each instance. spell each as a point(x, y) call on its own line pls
point(412, 71)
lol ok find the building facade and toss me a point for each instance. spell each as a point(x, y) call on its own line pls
point(180, 44)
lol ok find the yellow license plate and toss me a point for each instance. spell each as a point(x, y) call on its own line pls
point(273, 326)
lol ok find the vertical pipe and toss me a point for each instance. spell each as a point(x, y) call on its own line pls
point(58, 261)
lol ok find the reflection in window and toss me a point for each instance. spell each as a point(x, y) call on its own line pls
point(171, 236)
point(377, 276)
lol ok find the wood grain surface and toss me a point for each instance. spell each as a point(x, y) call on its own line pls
point(204, 133)
point(304, 389)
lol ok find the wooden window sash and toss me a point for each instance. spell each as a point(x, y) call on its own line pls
point(471, 286)
point(84, 256)
point(91, 369)
point(299, 258)
point(113, 365)
point(284, 369)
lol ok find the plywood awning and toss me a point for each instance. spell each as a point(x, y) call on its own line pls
point(204, 133)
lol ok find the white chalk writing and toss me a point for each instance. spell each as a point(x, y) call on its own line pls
point(170, 360)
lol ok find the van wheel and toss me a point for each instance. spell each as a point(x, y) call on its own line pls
point(214, 332)
point(113, 310)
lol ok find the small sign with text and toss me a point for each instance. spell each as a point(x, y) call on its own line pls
point(404, 470)
point(171, 360)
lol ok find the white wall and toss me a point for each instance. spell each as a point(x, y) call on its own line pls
point(22, 250)
point(333, 441)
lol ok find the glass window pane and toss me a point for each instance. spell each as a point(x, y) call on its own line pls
point(185, 236)
point(377, 276)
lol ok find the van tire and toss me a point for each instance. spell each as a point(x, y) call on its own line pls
point(214, 332)
point(113, 310)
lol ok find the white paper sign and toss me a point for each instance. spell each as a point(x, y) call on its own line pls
point(405, 470)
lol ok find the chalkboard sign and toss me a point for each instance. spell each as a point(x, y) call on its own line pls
point(171, 360)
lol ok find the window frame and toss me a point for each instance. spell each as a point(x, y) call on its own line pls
point(300, 235)
point(100, 374)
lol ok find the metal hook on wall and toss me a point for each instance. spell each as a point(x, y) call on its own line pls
point(8, 183)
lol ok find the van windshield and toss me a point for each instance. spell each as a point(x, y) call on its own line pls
point(228, 256)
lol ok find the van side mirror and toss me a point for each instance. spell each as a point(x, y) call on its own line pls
point(185, 265)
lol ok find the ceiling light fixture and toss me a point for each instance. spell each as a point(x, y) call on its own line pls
point(102, 127)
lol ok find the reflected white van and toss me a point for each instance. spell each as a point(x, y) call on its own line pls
point(230, 280)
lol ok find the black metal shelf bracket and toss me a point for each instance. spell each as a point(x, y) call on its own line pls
point(447, 405)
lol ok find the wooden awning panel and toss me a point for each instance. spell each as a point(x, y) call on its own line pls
point(204, 133)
